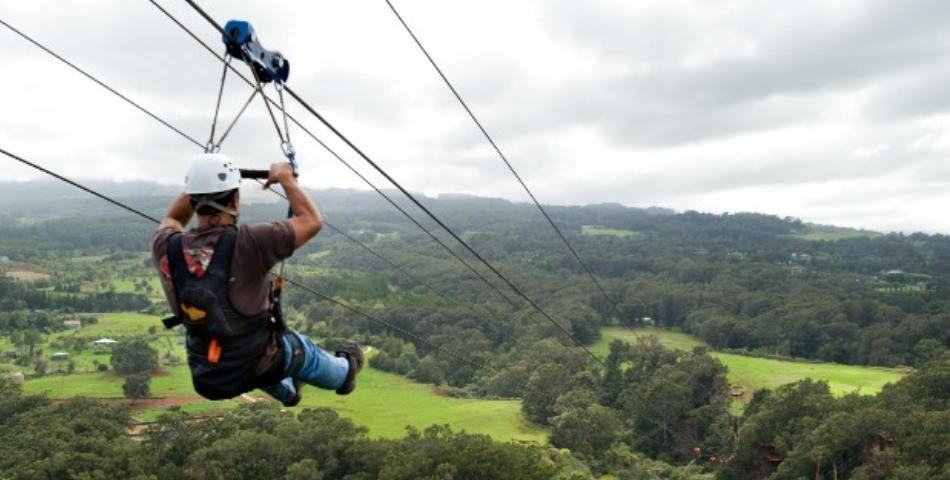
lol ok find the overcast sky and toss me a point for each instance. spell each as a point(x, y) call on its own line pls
point(832, 111)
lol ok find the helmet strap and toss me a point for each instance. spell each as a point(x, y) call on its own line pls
point(217, 206)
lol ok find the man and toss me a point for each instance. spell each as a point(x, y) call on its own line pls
point(216, 278)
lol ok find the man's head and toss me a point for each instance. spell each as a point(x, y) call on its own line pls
point(212, 183)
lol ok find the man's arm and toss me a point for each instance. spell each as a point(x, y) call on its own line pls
point(178, 214)
point(307, 220)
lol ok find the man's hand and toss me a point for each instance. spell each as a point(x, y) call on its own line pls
point(306, 221)
point(279, 173)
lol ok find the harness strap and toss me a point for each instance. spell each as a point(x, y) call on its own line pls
point(178, 267)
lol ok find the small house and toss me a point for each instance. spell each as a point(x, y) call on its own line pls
point(895, 276)
point(59, 357)
point(104, 344)
point(882, 441)
point(737, 391)
point(770, 453)
point(72, 324)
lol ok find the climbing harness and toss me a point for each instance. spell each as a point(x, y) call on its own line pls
point(222, 342)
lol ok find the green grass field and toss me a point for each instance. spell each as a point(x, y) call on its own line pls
point(833, 236)
point(110, 325)
point(614, 232)
point(88, 259)
point(384, 402)
point(119, 324)
point(901, 289)
point(127, 284)
point(753, 372)
point(387, 403)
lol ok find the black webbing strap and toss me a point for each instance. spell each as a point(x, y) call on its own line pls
point(178, 267)
point(176, 263)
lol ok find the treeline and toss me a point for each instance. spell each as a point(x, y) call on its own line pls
point(666, 405)
point(84, 438)
point(771, 310)
point(802, 431)
point(743, 282)
point(16, 296)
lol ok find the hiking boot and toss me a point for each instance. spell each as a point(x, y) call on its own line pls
point(354, 355)
point(298, 388)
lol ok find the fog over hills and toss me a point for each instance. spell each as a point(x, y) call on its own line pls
point(17, 197)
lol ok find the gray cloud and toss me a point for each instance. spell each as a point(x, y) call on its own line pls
point(833, 111)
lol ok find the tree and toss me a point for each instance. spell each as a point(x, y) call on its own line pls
point(428, 371)
point(29, 339)
point(137, 386)
point(40, 366)
point(544, 387)
point(306, 469)
point(927, 350)
point(589, 431)
point(133, 357)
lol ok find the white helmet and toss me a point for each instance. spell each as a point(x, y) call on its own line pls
point(211, 173)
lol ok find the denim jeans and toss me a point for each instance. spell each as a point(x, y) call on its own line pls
point(317, 367)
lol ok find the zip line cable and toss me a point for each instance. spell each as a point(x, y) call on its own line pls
point(415, 201)
point(511, 168)
point(398, 267)
point(326, 147)
point(101, 84)
point(393, 203)
point(192, 140)
point(349, 166)
point(79, 186)
point(311, 290)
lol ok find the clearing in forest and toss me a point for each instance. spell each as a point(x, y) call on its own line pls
point(754, 372)
point(613, 232)
point(385, 403)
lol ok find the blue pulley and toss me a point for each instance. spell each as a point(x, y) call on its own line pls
point(242, 43)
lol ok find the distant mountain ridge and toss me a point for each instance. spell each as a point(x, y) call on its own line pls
point(47, 191)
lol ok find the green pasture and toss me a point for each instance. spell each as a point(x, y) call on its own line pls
point(384, 402)
point(126, 284)
point(200, 406)
point(88, 259)
point(614, 232)
point(834, 236)
point(119, 324)
point(753, 372)
point(387, 403)
point(902, 289)
point(112, 325)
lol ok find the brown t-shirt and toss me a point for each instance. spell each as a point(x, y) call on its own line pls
point(257, 249)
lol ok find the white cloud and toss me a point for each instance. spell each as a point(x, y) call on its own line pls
point(830, 111)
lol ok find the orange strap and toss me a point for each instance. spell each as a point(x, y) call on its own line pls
point(214, 351)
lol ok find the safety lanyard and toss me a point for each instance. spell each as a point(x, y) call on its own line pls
point(266, 66)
